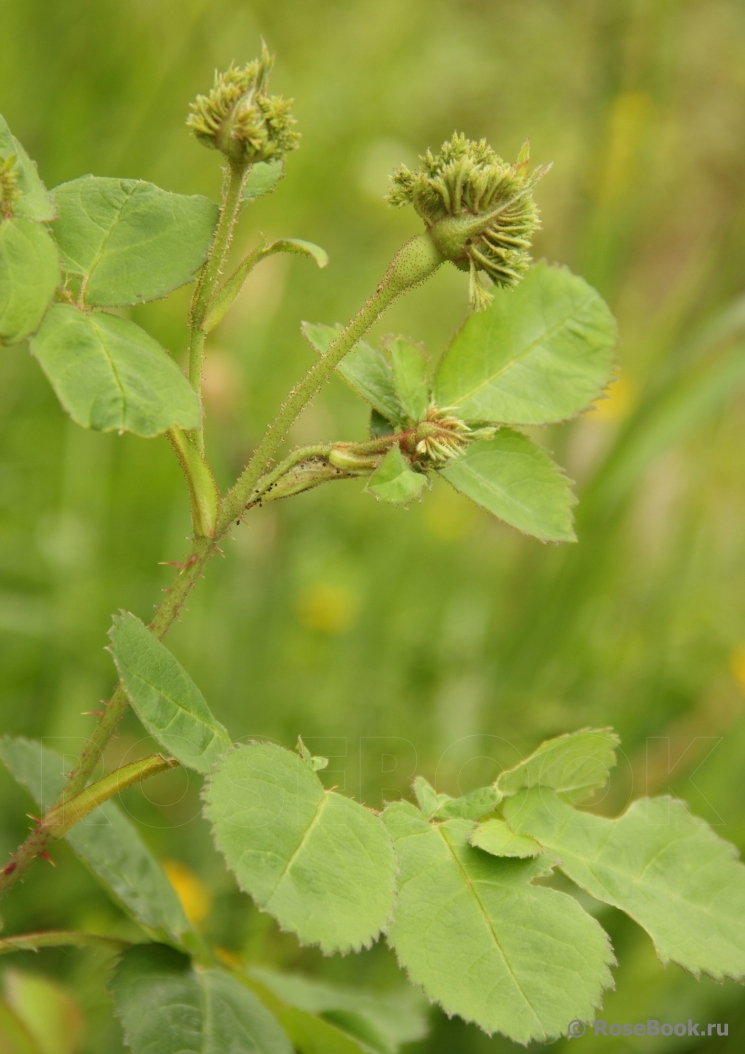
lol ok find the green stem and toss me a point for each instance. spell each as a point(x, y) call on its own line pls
point(71, 807)
point(204, 497)
point(213, 268)
point(411, 266)
point(24, 942)
point(90, 755)
point(167, 612)
point(60, 819)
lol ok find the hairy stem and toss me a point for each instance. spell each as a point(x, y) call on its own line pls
point(164, 617)
point(90, 755)
point(413, 264)
point(235, 178)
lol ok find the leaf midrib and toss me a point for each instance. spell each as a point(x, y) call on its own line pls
point(97, 258)
point(490, 927)
point(516, 358)
point(301, 844)
point(179, 706)
point(112, 366)
point(502, 492)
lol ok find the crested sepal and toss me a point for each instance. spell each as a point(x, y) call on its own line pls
point(239, 117)
point(479, 210)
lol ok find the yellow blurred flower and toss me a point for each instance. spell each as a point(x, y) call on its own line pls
point(229, 958)
point(737, 665)
point(617, 402)
point(326, 608)
point(195, 898)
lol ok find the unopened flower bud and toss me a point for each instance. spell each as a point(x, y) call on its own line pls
point(479, 210)
point(441, 436)
point(240, 119)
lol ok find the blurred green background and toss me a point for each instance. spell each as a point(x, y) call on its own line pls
point(431, 640)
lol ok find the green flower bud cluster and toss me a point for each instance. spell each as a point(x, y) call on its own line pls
point(479, 209)
point(240, 119)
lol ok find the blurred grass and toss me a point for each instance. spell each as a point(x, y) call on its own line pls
point(434, 639)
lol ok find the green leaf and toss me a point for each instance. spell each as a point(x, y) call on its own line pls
point(164, 697)
point(109, 374)
point(316, 763)
point(576, 763)
point(498, 838)
point(168, 1006)
point(516, 480)
point(365, 369)
point(381, 1021)
point(427, 797)
point(29, 275)
point(666, 869)
point(32, 201)
point(129, 240)
point(395, 481)
point(297, 245)
point(470, 807)
point(262, 178)
point(410, 376)
point(379, 425)
point(541, 352)
point(106, 841)
point(486, 943)
point(320, 863)
point(443, 807)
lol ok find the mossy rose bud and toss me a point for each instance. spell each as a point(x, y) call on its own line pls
point(479, 210)
point(240, 119)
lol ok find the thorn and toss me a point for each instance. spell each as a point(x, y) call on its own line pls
point(169, 563)
point(45, 856)
point(92, 713)
point(10, 868)
point(32, 817)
